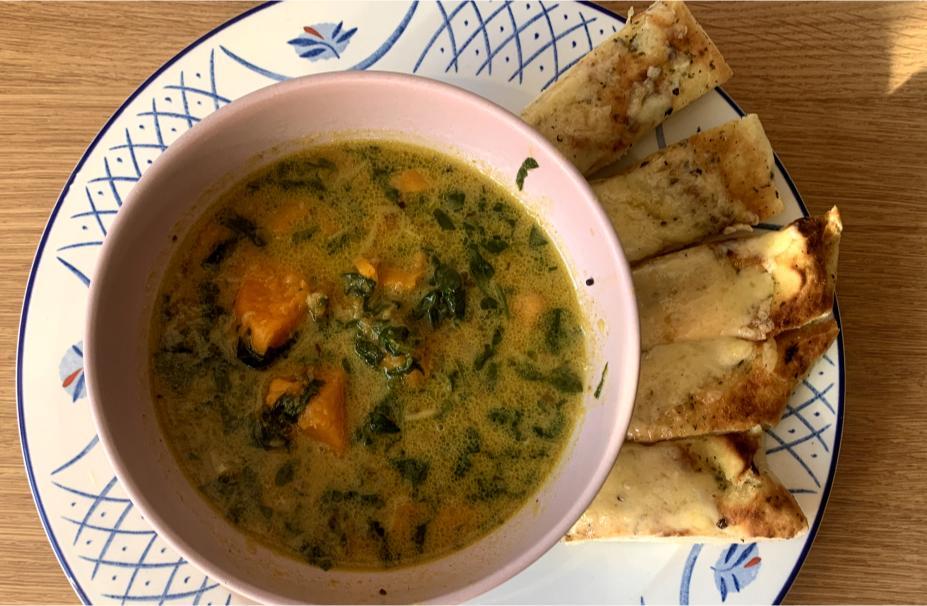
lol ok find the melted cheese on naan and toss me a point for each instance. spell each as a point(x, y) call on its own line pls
point(750, 288)
point(723, 385)
point(704, 488)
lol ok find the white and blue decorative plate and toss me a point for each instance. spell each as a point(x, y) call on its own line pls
point(505, 51)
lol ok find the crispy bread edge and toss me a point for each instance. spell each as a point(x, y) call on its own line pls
point(753, 504)
point(819, 276)
point(754, 395)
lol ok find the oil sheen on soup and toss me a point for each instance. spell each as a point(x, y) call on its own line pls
point(367, 354)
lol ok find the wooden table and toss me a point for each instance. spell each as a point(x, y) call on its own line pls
point(842, 90)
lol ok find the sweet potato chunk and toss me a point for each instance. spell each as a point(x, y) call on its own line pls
point(409, 181)
point(324, 418)
point(366, 268)
point(403, 280)
point(270, 304)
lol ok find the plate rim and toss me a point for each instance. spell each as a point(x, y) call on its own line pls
point(40, 249)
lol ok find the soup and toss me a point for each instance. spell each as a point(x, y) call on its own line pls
point(367, 354)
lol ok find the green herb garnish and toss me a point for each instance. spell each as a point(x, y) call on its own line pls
point(443, 220)
point(529, 164)
point(598, 389)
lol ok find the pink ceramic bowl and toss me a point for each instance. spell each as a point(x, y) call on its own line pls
point(254, 130)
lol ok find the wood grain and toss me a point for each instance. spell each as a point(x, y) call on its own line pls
point(842, 91)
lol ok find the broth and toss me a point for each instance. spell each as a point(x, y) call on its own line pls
point(367, 354)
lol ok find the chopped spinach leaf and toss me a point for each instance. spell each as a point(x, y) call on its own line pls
point(406, 365)
point(598, 388)
point(219, 253)
point(316, 556)
point(380, 421)
point(508, 419)
point(368, 351)
point(554, 428)
point(377, 532)
point(393, 340)
point(527, 370)
point(558, 329)
point(337, 242)
point(489, 303)
point(413, 470)
point(419, 536)
point(529, 164)
point(248, 356)
point(481, 270)
point(271, 430)
point(324, 163)
point(455, 199)
point(443, 220)
point(454, 379)
point(238, 489)
point(489, 350)
point(357, 285)
point(209, 295)
point(330, 497)
point(564, 379)
point(474, 230)
point(472, 441)
point(495, 245)
point(273, 426)
point(285, 473)
point(536, 237)
point(293, 405)
point(471, 446)
point(489, 488)
point(447, 300)
point(303, 235)
point(244, 227)
point(492, 373)
point(506, 213)
point(299, 174)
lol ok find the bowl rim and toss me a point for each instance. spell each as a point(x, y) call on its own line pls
point(421, 85)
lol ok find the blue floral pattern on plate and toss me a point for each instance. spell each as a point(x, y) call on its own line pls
point(322, 41)
point(71, 372)
point(736, 568)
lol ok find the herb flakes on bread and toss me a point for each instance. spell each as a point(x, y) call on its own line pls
point(752, 288)
point(658, 63)
point(702, 187)
point(708, 488)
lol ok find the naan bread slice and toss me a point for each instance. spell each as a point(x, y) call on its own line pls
point(702, 187)
point(658, 63)
point(709, 488)
point(723, 385)
point(752, 288)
